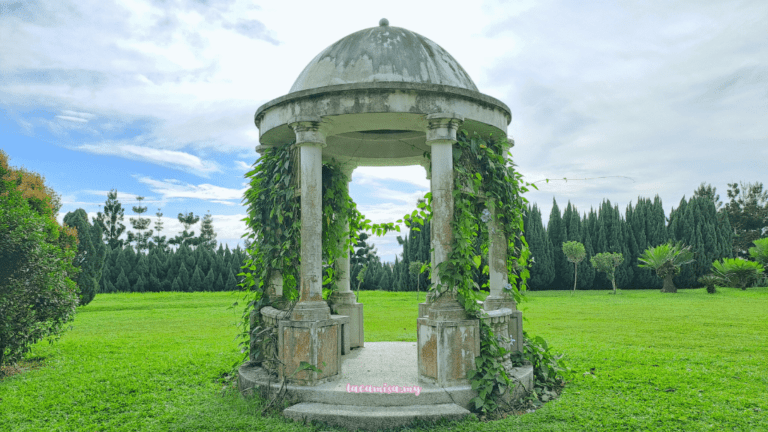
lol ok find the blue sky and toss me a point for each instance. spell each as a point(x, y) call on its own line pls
point(156, 98)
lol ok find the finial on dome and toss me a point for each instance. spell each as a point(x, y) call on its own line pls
point(383, 22)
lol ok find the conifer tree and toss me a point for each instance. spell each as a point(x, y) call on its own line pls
point(542, 271)
point(186, 238)
point(111, 221)
point(139, 286)
point(122, 284)
point(105, 278)
point(142, 267)
point(91, 253)
point(196, 281)
point(748, 215)
point(140, 224)
point(176, 285)
point(586, 271)
point(556, 234)
point(158, 241)
point(207, 237)
point(220, 283)
point(184, 278)
point(209, 283)
point(231, 283)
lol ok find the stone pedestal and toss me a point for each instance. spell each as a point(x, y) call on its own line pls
point(513, 318)
point(315, 342)
point(448, 343)
point(345, 304)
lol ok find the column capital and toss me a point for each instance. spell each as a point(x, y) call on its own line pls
point(309, 130)
point(442, 127)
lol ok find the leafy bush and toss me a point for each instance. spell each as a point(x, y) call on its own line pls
point(738, 272)
point(710, 281)
point(37, 296)
point(760, 252)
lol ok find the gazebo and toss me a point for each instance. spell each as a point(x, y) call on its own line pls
point(382, 96)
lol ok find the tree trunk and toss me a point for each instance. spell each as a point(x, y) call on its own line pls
point(613, 282)
point(575, 275)
point(669, 285)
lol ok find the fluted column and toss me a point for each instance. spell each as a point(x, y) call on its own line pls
point(310, 139)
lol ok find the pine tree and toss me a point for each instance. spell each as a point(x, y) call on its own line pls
point(158, 241)
point(220, 283)
point(122, 284)
point(176, 285)
point(231, 283)
point(196, 281)
point(139, 286)
point(586, 271)
point(90, 257)
point(142, 267)
point(186, 237)
point(542, 271)
point(184, 278)
point(209, 283)
point(207, 237)
point(111, 221)
point(748, 215)
point(154, 284)
point(140, 224)
point(556, 234)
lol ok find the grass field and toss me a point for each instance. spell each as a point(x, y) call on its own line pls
point(669, 362)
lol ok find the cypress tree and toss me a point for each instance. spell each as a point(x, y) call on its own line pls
point(231, 283)
point(586, 271)
point(184, 278)
point(196, 281)
point(656, 228)
point(556, 234)
point(542, 271)
point(109, 288)
point(142, 267)
point(219, 283)
point(105, 278)
point(123, 264)
point(139, 286)
point(176, 285)
point(209, 283)
point(122, 284)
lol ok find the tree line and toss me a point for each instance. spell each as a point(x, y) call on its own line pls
point(712, 230)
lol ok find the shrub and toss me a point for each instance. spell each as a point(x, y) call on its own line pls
point(738, 272)
point(37, 296)
point(710, 281)
point(760, 252)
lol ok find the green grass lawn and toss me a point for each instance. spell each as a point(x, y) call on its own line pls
point(688, 361)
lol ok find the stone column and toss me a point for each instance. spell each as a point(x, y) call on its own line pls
point(448, 342)
point(343, 301)
point(499, 299)
point(441, 135)
point(311, 141)
point(310, 334)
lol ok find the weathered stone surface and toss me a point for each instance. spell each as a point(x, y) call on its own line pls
point(447, 350)
point(377, 55)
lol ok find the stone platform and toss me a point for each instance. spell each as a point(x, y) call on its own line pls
point(378, 364)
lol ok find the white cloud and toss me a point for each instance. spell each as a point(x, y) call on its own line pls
point(171, 189)
point(169, 158)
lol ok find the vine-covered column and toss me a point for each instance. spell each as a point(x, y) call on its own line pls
point(441, 136)
point(310, 139)
point(343, 301)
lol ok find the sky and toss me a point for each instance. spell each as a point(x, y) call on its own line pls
point(156, 98)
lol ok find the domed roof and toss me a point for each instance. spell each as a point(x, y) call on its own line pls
point(383, 54)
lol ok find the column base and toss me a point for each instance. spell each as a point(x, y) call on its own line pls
point(493, 302)
point(311, 311)
point(446, 308)
point(513, 320)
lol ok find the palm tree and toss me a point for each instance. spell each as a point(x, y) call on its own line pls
point(666, 259)
point(738, 271)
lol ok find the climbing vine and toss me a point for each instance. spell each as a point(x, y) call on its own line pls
point(483, 180)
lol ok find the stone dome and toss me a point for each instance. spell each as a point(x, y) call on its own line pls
point(383, 54)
